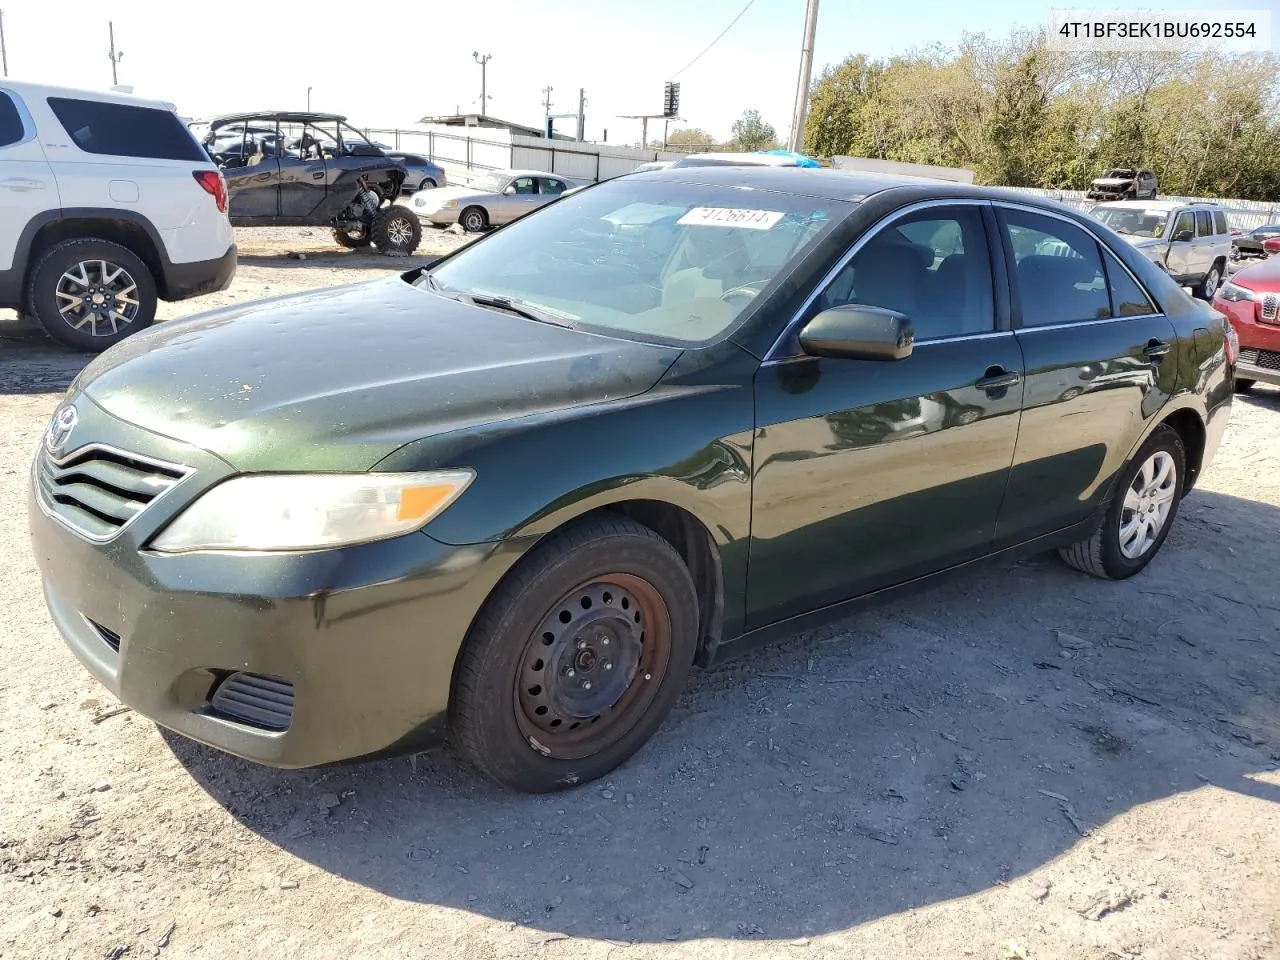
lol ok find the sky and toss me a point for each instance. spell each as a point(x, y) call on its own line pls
point(388, 65)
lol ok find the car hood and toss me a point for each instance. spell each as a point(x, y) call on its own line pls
point(439, 196)
point(1142, 243)
point(1113, 181)
point(337, 379)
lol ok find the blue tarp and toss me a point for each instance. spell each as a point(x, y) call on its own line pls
point(800, 159)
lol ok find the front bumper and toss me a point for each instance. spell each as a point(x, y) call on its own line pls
point(366, 636)
point(1259, 340)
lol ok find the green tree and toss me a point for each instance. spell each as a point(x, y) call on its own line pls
point(690, 140)
point(750, 132)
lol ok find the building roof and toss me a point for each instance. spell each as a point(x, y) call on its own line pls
point(483, 120)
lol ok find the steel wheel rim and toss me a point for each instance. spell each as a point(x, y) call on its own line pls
point(592, 667)
point(1147, 504)
point(399, 231)
point(473, 221)
point(98, 294)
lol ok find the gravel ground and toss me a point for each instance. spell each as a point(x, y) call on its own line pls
point(1024, 763)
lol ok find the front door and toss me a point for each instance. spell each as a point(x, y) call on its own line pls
point(1095, 347)
point(1181, 258)
point(869, 473)
point(519, 197)
point(27, 186)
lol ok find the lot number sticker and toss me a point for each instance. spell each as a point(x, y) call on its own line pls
point(728, 217)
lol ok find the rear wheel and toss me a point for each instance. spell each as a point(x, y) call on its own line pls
point(353, 238)
point(396, 231)
point(1142, 510)
point(576, 658)
point(1243, 385)
point(474, 220)
point(427, 184)
point(90, 294)
point(1209, 285)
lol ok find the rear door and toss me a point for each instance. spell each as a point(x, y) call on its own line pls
point(1095, 348)
point(27, 186)
point(871, 473)
point(304, 175)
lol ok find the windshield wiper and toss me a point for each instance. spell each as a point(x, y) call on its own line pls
point(518, 307)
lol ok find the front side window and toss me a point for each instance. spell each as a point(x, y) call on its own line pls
point(524, 186)
point(661, 262)
point(11, 130)
point(1058, 271)
point(933, 266)
point(1184, 225)
point(124, 130)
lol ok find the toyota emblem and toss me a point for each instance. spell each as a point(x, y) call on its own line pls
point(60, 427)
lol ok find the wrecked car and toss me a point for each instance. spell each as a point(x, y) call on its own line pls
point(1124, 183)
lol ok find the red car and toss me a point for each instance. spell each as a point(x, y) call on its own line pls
point(1251, 299)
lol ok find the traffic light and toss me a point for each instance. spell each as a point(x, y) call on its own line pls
point(671, 100)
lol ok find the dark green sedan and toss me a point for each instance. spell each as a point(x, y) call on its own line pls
point(519, 494)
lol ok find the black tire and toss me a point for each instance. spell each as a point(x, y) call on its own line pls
point(1243, 385)
point(474, 220)
point(1101, 554)
point(80, 331)
point(1207, 287)
point(493, 721)
point(352, 239)
point(396, 231)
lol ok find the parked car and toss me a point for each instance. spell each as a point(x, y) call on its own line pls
point(1271, 245)
point(424, 174)
point(296, 169)
point(1124, 183)
point(107, 205)
point(1191, 241)
point(540, 479)
point(1250, 245)
point(1251, 300)
point(492, 199)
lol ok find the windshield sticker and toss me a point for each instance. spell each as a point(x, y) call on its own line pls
point(728, 217)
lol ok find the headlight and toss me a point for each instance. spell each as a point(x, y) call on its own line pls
point(451, 205)
point(310, 511)
point(1235, 292)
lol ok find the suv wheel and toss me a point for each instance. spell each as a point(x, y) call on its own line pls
point(352, 238)
point(396, 231)
point(90, 294)
point(1209, 285)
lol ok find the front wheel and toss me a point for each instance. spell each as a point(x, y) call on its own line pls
point(576, 658)
point(1209, 285)
point(474, 220)
point(1141, 512)
point(396, 231)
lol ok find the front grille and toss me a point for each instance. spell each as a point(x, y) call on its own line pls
point(1266, 359)
point(111, 638)
point(255, 699)
point(1269, 307)
point(97, 491)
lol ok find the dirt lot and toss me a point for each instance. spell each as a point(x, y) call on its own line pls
point(1026, 763)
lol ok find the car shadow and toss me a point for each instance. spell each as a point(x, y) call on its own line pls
point(351, 259)
point(924, 750)
point(32, 363)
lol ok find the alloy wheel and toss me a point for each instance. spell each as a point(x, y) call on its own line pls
point(399, 231)
point(1211, 284)
point(1147, 504)
point(98, 295)
point(592, 667)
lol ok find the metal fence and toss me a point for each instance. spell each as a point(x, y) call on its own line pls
point(1241, 214)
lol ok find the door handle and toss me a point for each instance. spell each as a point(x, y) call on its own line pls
point(998, 378)
point(22, 183)
point(1157, 348)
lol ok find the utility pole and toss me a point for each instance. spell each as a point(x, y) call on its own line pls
point(806, 74)
point(582, 114)
point(484, 63)
point(546, 100)
point(115, 57)
point(4, 56)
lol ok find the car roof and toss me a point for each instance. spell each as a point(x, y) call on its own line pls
point(26, 90)
point(1165, 205)
point(289, 116)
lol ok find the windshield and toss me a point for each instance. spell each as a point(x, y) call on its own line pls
point(490, 182)
point(666, 262)
point(1118, 175)
point(1134, 222)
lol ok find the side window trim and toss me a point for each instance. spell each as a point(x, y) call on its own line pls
point(1015, 303)
point(24, 116)
point(787, 336)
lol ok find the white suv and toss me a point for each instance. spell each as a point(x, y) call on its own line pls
point(107, 203)
point(1190, 240)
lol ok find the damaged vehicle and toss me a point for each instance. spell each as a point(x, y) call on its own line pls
point(301, 169)
point(1124, 183)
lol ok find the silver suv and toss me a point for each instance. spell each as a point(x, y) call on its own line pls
point(1191, 241)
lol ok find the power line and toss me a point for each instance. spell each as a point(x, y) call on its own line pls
point(715, 41)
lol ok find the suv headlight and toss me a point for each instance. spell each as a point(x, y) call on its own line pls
point(310, 511)
point(1234, 292)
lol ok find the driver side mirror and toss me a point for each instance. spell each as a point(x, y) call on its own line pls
point(509, 192)
point(1183, 236)
point(858, 332)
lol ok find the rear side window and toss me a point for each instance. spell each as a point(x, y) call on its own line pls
point(123, 130)
point(1058, 270)
point(1219, 222)
point(1127, 298)
point(10, 122)
point(1204, 224)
